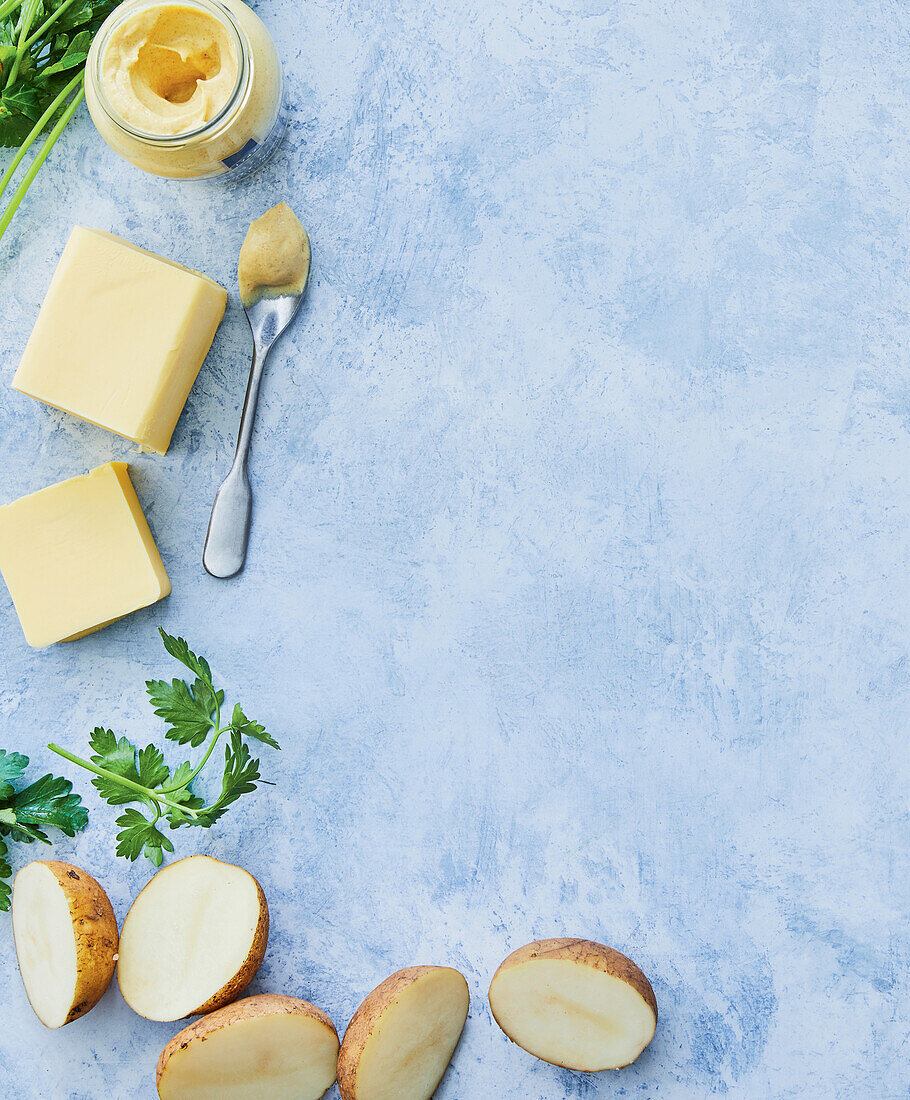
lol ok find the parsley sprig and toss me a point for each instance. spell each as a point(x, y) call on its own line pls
point(125, 774)
point(26, 811)
point(43, 48)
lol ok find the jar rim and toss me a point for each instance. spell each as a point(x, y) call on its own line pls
point(118, 15)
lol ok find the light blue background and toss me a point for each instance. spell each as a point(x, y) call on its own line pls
point(577, 593)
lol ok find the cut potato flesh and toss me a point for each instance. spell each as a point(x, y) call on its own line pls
point(192, 940)
point(45, 944)
point(66, 940)
point(402, 1038)
point(573, 1014)
point(244, 1053)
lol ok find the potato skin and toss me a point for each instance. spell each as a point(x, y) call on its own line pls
point(587, 953)
point(364, 1020)
point(232, 990)
point(263, 1004)
point(95, 929)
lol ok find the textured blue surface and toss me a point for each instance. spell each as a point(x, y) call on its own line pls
point(578, 585)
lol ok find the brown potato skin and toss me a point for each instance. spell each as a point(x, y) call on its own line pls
point(232, 990)
point(362, 1022)
point(95, 928)
point(588, 953)
point(263, 1004)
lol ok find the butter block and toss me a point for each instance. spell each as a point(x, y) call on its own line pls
point(79, 555)
point(120, 337)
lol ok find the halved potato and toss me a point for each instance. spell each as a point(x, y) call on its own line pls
point(192, 940)
point(267, 1047)
point(66, 939)
point(574, 1003)
point(402, 1038)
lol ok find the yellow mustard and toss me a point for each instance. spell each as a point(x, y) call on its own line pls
point(275, 257)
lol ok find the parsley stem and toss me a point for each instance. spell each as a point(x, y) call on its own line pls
point(40, 157)
point(32, 38)
point(9, 7)
point(189, 779)
point(26, 18)
point(36, 130)
point(123, 781)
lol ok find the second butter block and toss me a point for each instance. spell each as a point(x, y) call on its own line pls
point(79, 555)
point(120, 337)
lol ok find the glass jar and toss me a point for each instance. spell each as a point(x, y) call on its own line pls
point(242, 133)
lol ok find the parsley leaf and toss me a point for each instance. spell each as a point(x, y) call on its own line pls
point(48, 802)
point(145, 768)
point(241, 772)
point(247, 728)
point(26, 812)
point(188, 710)
point(179, 650)
point(12, 769)
point(152, 769)
point(74, 53)
point(138, 835)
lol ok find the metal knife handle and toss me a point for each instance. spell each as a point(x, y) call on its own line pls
point(229, 524)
